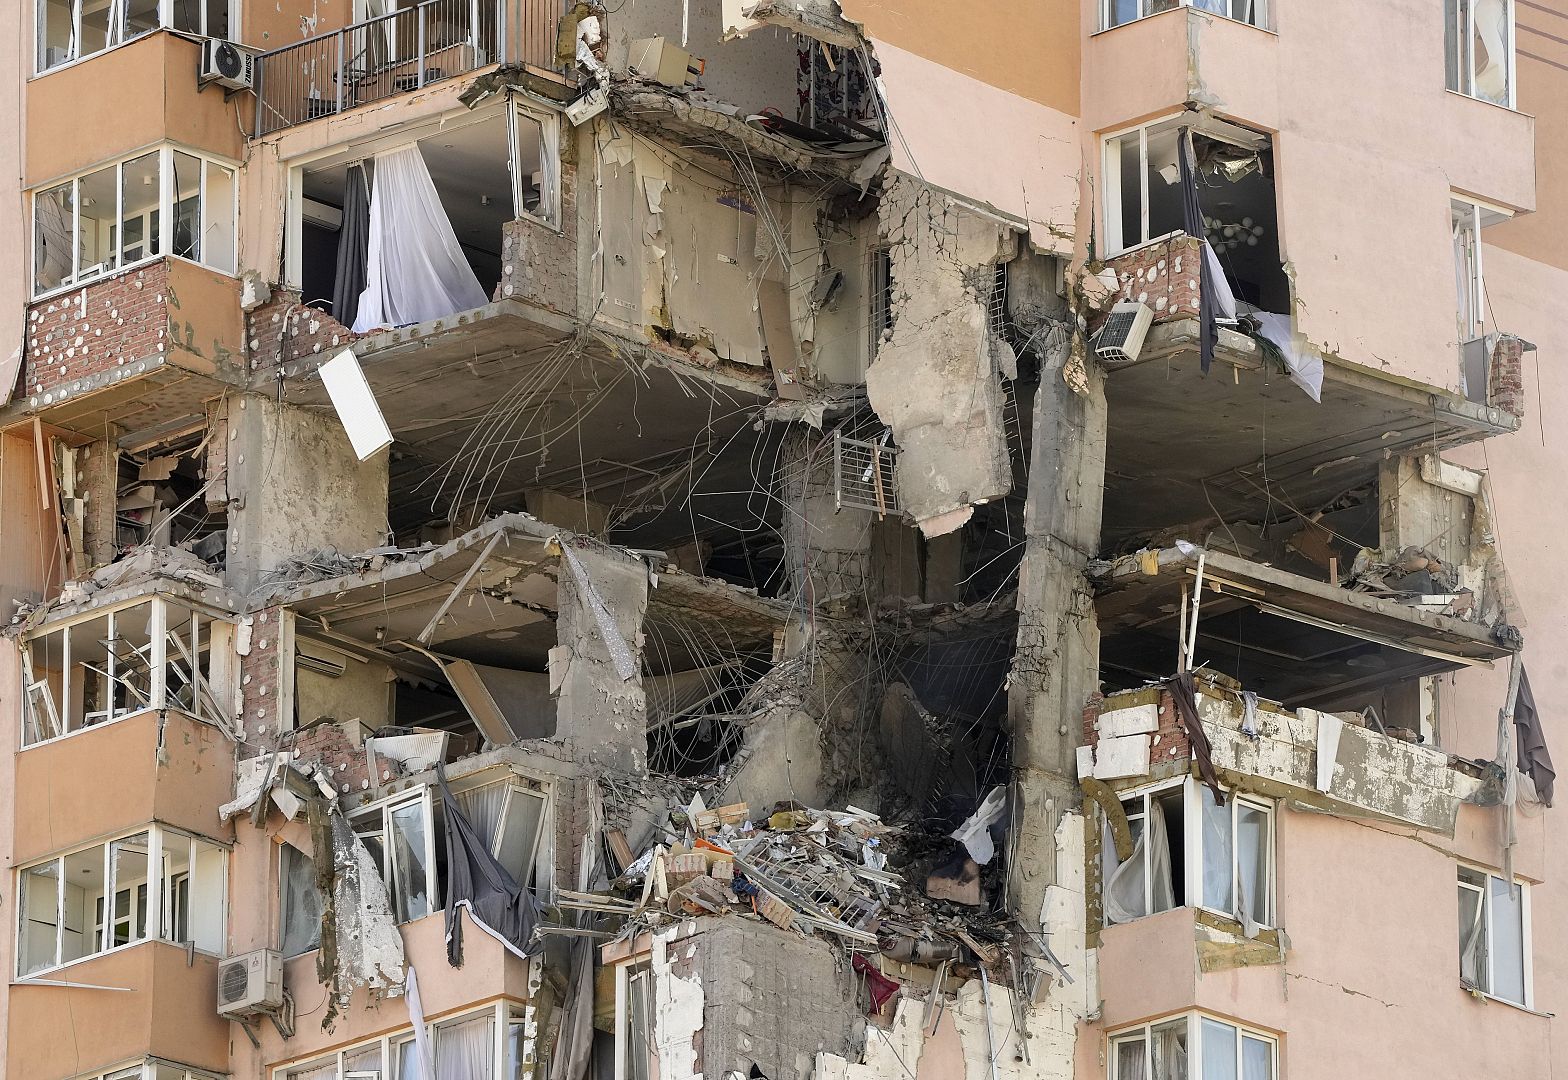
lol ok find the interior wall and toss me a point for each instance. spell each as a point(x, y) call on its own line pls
point(755, 72)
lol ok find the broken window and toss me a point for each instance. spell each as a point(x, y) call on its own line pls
point(634, 1048)
point(880, 295)
point(1494, 936)
point(1187, 850)
point(1466, 220)
point(1117, 12)
point(122, 214)
point(72, 29)
point(108, 895)
point(483, 172)
point(403, 836)
point(1479, 37)
point(299, 902)
point(465, 1048)
point(1143, 185)
point(149, 654)
point(509, 815)
point(153, 1069)
point(1193, 1047)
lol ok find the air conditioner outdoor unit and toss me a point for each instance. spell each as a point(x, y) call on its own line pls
point(226, 64)
point(250, 983)
point(1120, 340)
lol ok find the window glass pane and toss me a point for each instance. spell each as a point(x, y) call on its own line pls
point(187, 206)
point(128, 863)
point(1216, 853)
point(1490, 45)
point(518, 1065)
point(1130, 1063)
point(204, 920)
point(366, 1059)
point(140, 17)
point(84, 911)
point(55, 33)
point(1169, 1048)
point(1257, 1059)
point(96, 220)
point(524, 812)
point(1121, 11)
point(484, 808)
point(410, 899)
point(217, 241)
point(174, 920)
point(139, 194)
point(1472, 935)
point(405, 1056)
point(187, 16)
point(1506, 905)
point(464, 1050)
point(1165, 203)
point(217, 18)
point(301, 903)
point(1252, 861)
point(40, 917)
point(96, 28)
point(52, 211)
point(1131, 196)
point(639, 1020)
point(1219, 1051)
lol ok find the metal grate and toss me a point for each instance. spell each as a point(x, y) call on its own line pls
point(865, 474)
point(996, 308)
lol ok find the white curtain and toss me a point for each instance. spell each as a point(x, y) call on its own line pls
point(1131, 1062)
point(415, 269)
point(1125, 898)
point(482, 807)
point(463, 1050)
point(1218, 885)
point(1170, 1051)
point(301, 903)
point(327, 1071)
point(1491, 50)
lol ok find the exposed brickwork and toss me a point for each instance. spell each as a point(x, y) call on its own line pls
point(259, 680)
point(1506, 389)
point(283, 330)
point(1168, 736)
point(536, 260)
point(92, 330)
point(1162, 275)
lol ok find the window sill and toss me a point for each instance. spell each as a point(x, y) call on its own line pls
point(1163, 238)
point(122, 718)
point(39, 977)
point(140, 264)
point(1483, 101)
point(1485, 998)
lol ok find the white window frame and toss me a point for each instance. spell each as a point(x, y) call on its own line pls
point(1111, 183)
point(639, 969)
point(1464, 39)
point(424, 799)
point(42, 712)
point(1144, 1032)
point(549, 122)
point(412, 135)
point(167, 202)
point(503, 1013)
point(1260, 12)
point(116, 36)
point(159, 838)
point(1192, 845)
point(1484, 912)
point(147, 1069)
point(520, 785)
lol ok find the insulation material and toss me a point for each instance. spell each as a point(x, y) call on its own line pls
point(935, 380)
point(355, 403)
point(369, 946)
point(620, 259)
point(712, 271)
point(678, 1008)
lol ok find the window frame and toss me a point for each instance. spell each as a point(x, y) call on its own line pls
point(1466, 35)
point(386, 807)
point(1484, 911)
point(165, 22)
point(640, 969)
point(1193, 806)
point(1111, 182)
point(163, 211)
point(1260, 20)
point(1195, 1021)
point(502, 1013)
point(147, 1069)
point(104, 921)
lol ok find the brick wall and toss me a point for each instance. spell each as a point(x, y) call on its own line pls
point(1168, 735)
point(95, 329)
point(1163, 275)
point(1506, 389)
point(538, 263)
point(283, 330)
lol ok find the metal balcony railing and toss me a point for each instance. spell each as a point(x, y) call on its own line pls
point(396, 53)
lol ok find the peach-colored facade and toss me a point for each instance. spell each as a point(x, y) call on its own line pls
point(981, 199)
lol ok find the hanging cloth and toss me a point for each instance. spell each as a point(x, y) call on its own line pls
point(1534, 759)
point(1192, 222)
point(1184, 694)
point(1124, 898)
point(353, 249)
point(496, 903)
point(415, 267)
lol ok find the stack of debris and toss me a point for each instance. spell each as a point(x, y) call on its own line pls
point(326, 563)
point(142, 564)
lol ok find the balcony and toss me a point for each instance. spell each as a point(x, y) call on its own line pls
point(397, 53)
point(168, 1014)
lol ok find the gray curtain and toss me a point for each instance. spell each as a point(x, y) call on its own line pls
point(353, 244)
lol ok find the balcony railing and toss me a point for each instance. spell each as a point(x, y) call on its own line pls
point(396, 53)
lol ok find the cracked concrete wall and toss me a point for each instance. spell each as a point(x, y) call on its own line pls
point(296, 486)
point(936, 377)
point(599, 712)
point(827, 549)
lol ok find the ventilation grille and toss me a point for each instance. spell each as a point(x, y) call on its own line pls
point(865, 474)
point(233, 982)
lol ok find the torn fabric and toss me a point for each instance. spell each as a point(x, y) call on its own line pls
point(1305, 366)
point(614, 642)
point(495, 902)
point(574, 1038)
point(1185, 696)
point(1534, 759)
point(1192, 222)
point(416, 1016)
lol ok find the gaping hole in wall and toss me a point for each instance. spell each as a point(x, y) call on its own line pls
point(361, 220)
point(161, 499)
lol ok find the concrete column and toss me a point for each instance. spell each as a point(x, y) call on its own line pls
point(1057, 664)
point(295, 486)
point(602, 714)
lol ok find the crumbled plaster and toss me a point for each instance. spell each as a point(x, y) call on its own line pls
point(936, 378)
point(678, 1005)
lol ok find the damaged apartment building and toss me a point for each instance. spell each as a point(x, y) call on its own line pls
point(783, 539)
